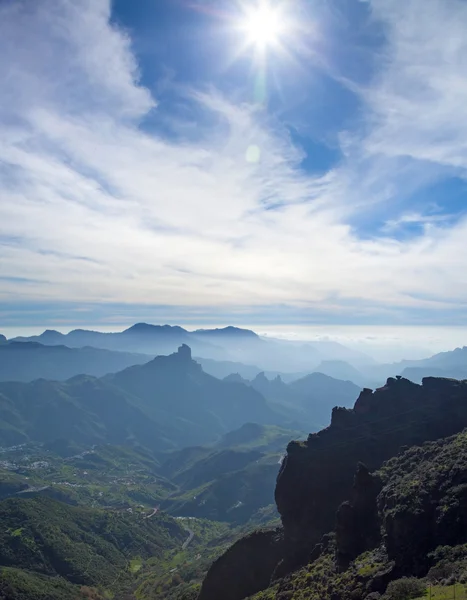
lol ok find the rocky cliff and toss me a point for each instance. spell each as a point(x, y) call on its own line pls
point(411, 533)
point(317, 476)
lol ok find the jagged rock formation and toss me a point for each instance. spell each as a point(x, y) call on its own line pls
point(317, 475)
point(421, 513)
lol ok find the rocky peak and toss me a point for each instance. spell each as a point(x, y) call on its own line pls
point(236, 378)
point(180, 361)
point(363, 403)
point(3, 339)
point(184, 353)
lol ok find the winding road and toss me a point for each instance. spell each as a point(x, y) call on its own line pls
point(190, 537)
point(154, 511)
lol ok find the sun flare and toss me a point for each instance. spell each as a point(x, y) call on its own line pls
point(263, 25)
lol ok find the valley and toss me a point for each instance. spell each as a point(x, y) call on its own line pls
point(139, 489)
point(162, 481)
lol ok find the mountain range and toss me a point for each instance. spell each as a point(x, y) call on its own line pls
point(167, 402)
point(128, 476)
point(226, 344)
point(220, 351)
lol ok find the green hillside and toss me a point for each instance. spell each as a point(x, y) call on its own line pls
point(84, 410)
point(107, 476)
point(85, 546)
point(231, 480)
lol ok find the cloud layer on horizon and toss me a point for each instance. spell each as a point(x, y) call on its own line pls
point(95, 208)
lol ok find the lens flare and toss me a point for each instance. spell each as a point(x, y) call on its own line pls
point(263, 25)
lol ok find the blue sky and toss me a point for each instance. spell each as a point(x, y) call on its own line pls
point(156, 166)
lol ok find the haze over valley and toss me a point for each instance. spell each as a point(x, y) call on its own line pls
point(233, 302)
point(133, 424)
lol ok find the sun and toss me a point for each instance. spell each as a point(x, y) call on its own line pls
point(263, 24)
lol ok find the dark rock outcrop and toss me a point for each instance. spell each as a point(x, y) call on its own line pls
point(254, 557)
point(317, 476)
point(357, 523)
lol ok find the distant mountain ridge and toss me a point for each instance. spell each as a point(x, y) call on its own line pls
point(141, 337)
point(79, 337)
point(312, 396)
point(451, 364)
point(222, 344)
point(26, 361)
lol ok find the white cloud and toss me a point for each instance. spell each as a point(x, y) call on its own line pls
point(94, 209)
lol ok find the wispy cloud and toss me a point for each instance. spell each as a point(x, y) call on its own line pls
point(419, 103)
point(94, 208)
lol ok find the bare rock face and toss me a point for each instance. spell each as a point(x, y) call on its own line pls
point(184, 353)
point(357, 522)
point(253, 557)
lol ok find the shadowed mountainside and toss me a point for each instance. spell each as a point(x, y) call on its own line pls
point(310, 399)
point(317, 475)
point(402, 533)
point(167, 403)
point(231, 480)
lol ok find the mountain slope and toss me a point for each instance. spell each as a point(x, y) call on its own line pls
point(174, 390)
point(26, 361)
point(308, 400)
point(84, 546)
point(339, 369)
point(253, 436)
point(222, 369)
point(232, 495)
point(231, 480)
point(167, 403)
point(84, 410)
